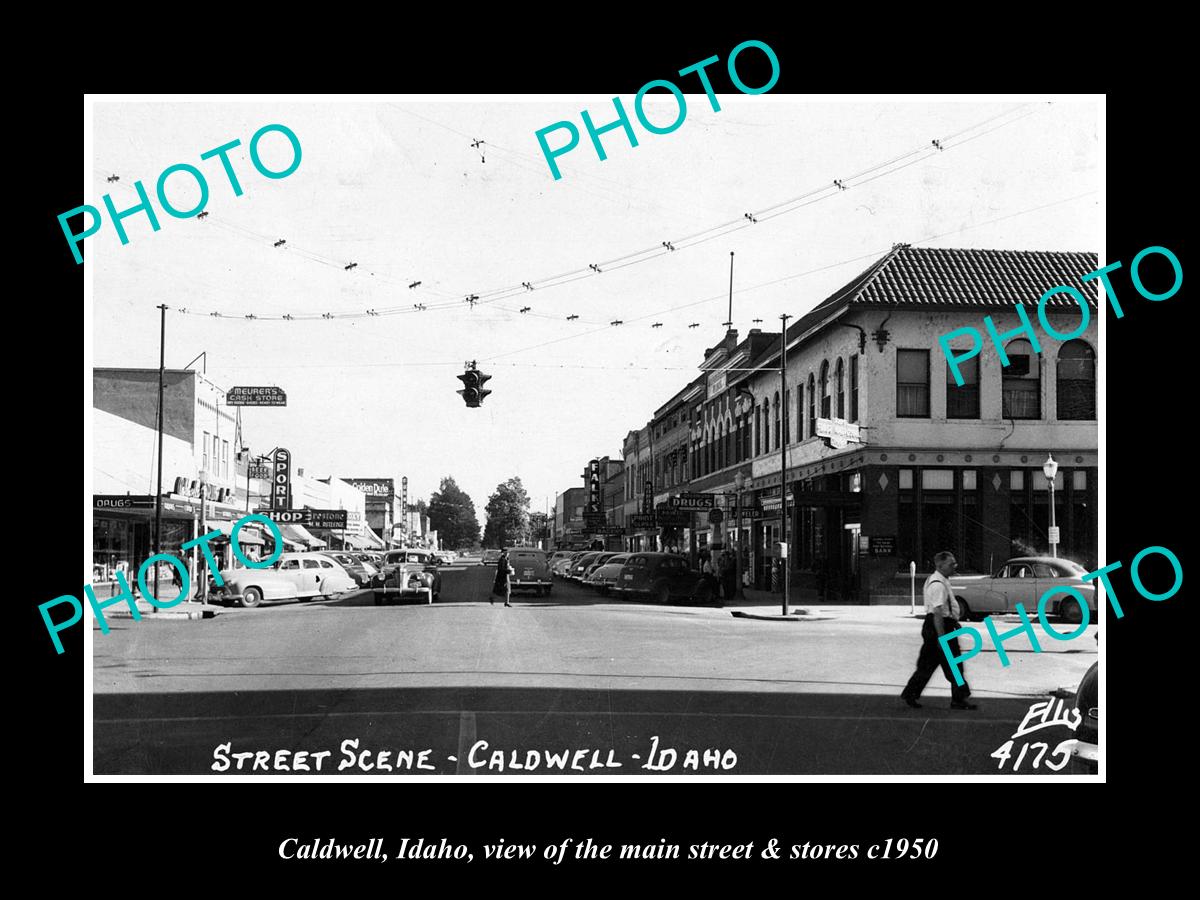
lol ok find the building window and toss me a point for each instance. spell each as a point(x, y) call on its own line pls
point(912, 384)
point(937, 479)
point(1022, 382)
point(1079, 480)
point(777, 410)
point(1076, 381)
point(757, 431)
point(721, 446)
point(825, 410)
point(766, 424)
point(800, 412)
point(906, 479)
point(787, 423)
point(963, 402)
point(854, 388)
point(225, 459)
point(746, 436)
point(812, 406)
point(729, 445)
point(839, 381)
point(204, 453)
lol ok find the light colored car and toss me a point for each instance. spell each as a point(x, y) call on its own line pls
point(596, 563)
point(1023, 580)
point(361, 572)
point(411, 560)
point(603, 577)
point(562, 566)
point(294, 575)
point(530, 570)
point(490, 557)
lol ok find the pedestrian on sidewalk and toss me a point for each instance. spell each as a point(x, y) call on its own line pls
point(941, 616)
point(727, 568)
point(502, 587)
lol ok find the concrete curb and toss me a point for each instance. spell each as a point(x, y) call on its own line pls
point(184, 611)
point(799, 616)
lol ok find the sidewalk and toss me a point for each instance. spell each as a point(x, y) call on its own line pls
point(188, 609)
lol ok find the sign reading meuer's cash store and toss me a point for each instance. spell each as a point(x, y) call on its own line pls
point(255, 396)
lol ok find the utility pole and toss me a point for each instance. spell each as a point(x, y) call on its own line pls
point(729, 317)
point(783, 457)
point(162, 364)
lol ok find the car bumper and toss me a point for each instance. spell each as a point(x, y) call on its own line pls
point(518, 584)
point(1085, 758)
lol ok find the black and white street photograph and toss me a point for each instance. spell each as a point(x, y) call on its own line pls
point(695, 433)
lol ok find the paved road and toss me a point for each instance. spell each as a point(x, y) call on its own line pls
point(567, 673)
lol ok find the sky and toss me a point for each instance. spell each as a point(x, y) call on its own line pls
point(396, 186)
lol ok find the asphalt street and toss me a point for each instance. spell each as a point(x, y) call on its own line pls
point(571, 681)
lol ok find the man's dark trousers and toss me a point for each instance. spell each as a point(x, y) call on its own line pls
point(932, 658)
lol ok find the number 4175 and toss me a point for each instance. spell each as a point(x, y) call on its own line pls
point(1063, 750)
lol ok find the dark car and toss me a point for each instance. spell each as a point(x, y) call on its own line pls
point(662, 577)
point(1085, 755)
point(580, 565)
point(530, 570)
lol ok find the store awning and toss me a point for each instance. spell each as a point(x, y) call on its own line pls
point(298, 534)
point(355, 542)
point(374, 541)
point(247, 534)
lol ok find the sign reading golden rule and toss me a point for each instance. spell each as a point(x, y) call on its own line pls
point(255, 396)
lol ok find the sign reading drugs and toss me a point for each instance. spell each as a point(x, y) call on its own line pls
point(692, 501)
point(281, 480)
point(255, 396)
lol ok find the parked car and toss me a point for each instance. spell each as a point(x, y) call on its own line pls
point(412, 560)
point(444, 557)
point(603, 577)
point(596, 563)
point(490, 557)
point(556, 556)
point(580, 565)
point(361, 572)
point(529, 564)
point(662, 577)
point(294, 575)
point(1023, 580)
point(1085, 755)
point(562, 566)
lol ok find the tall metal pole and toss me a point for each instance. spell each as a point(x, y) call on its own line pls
point(1053, 544)
point(729, 318)
point(162, 366)
point(783, 456)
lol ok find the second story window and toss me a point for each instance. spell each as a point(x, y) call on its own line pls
point(839, 382)
point(812, 406)
point(825, 410)
point(854, 388)
point(963, 402)
point(912, 384)
point(1076, 381)
point(757, 431)
point(777, 411)
point(1022, 382)
point(800, 412)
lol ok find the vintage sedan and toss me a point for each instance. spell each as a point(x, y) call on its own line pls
point(407, 581)
point(604, 576)
point(490, 557)
point(579, 565)
point(662, 577)
point(1023, 580)
point(531, 572)
point(361, 572)
point(411, 560)
point(294, 575)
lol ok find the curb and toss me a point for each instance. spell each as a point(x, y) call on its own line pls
point(799, 616)
point(198, 611)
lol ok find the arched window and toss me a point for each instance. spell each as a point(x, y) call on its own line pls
point(766, 425)
point(777, 409)
point(800, 412)
point(1076, 381)
point(729, 444)
point(1022, 382)
point(721, 446)
point(839, 381)
point(787, 420)
point(757, 430)
point(746, 435)
point(812, 406)
point(825, 411)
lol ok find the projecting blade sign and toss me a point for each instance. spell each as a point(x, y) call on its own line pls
point(255, 396)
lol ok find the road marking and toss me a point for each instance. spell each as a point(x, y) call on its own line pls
point(466, 740)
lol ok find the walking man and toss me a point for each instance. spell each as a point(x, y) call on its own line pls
point(502, 586)
point(941, 616)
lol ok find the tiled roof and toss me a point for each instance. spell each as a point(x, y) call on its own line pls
point(938, 278)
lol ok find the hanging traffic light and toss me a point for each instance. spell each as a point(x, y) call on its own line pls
point(473, 390)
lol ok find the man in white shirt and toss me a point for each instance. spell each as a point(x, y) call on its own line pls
point(941, 615)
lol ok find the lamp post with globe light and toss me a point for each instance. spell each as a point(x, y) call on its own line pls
point(1050, 469)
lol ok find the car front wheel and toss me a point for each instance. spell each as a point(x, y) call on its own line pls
point(965, 610)
point(1071, 612)
point(251, 597)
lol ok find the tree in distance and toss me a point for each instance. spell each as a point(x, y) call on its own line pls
point(452, 514)
point(507, 516)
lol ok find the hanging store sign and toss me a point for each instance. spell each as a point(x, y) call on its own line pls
point(839, 432)
point(255, 396)
point(281, 486)
point(693, 501)
point(122, 501)
point(593, 480)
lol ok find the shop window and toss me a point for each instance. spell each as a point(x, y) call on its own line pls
point(906, 479)
point(962, 401)
point(854, 388)
point(1016, 480)
point(937, 479)
point(1079, 480)
point(1076, 381)
point(825, 410)
point(1022, 382)
point(839, 381)
point(1041, 483)
point(968, 478)
point(912, 384)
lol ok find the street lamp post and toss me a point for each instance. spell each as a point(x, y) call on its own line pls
point(739, 482)
point(203, 592)
point(1050, 470)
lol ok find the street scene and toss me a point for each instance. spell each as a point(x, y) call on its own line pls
point(409, 457)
